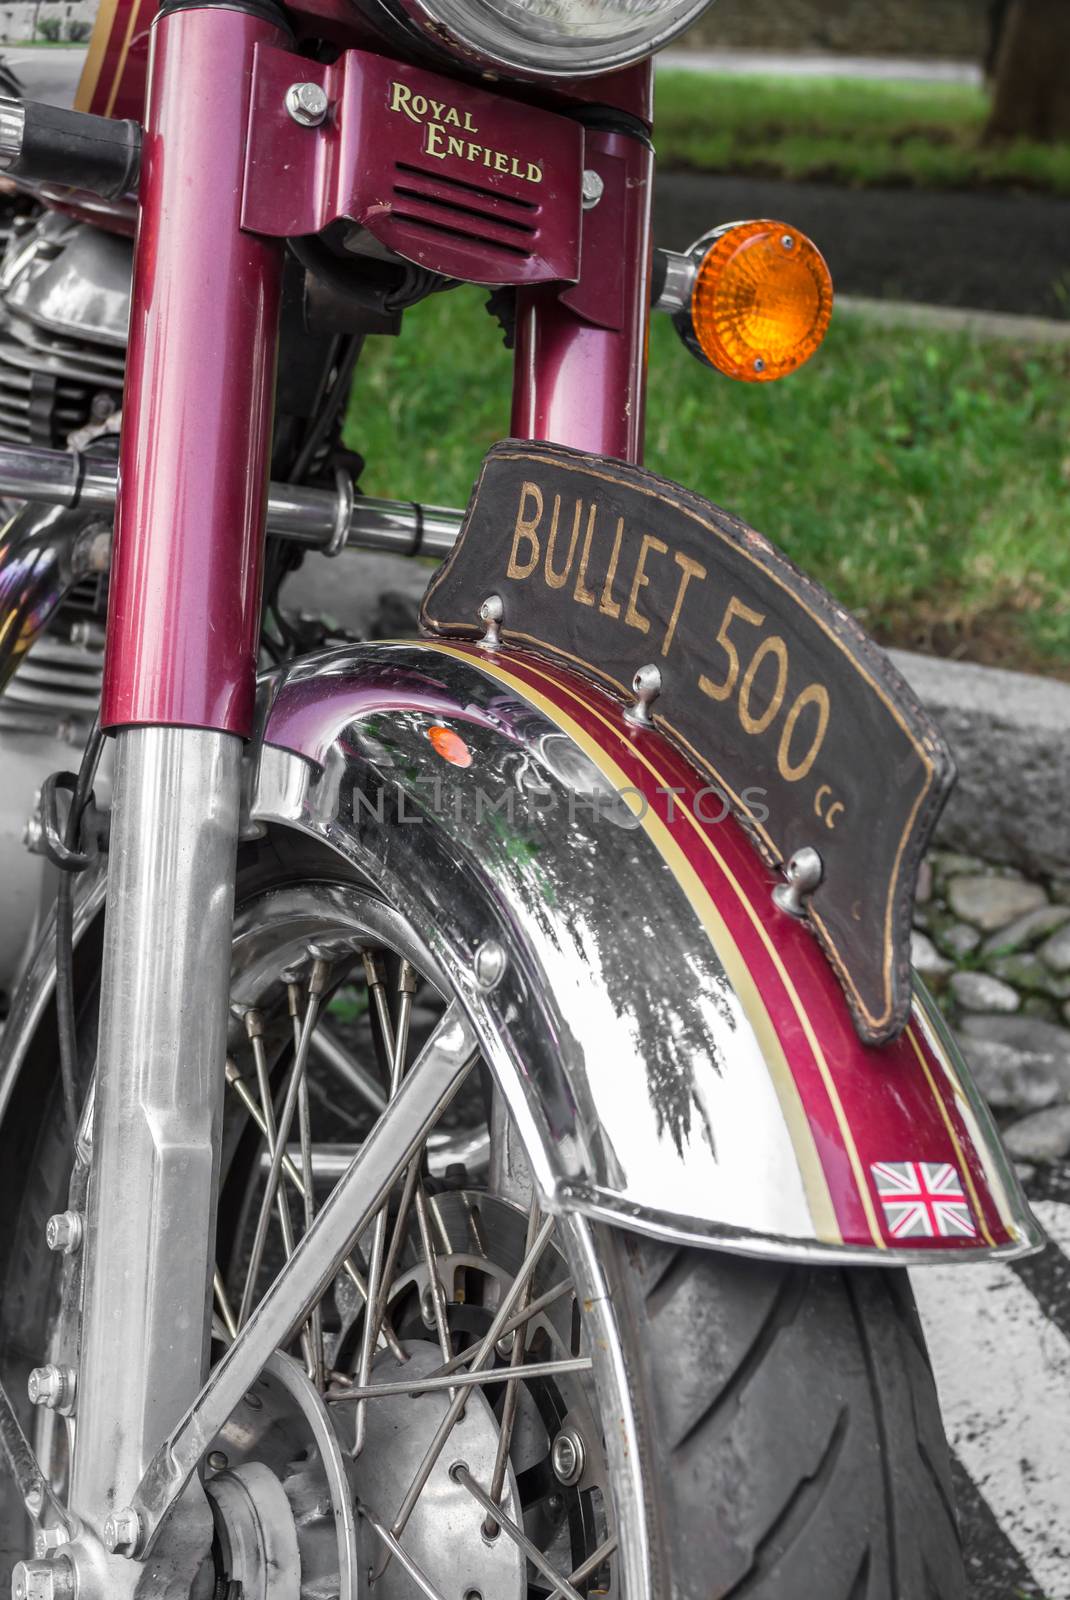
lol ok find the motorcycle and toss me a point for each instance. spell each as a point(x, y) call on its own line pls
point(467, 1114)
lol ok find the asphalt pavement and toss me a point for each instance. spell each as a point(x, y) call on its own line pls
point(47, 73)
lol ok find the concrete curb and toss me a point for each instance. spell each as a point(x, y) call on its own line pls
point(1010, 734)
point(946, 319)
point(818, 64)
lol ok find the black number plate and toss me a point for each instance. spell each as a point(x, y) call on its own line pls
point(767, 684)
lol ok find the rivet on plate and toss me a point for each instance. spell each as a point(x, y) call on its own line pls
point(647, 687)
point(489, 965)
point(490, 614)
point(804, 872)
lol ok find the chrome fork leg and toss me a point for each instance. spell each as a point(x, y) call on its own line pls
point(160, 1080)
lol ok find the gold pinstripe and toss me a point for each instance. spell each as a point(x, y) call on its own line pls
point(815, 1183)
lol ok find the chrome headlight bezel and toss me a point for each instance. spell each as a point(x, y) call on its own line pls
point(456, 27)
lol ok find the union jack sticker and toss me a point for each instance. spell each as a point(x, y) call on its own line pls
point(923, 1200)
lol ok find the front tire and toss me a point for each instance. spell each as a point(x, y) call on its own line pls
point(793, 1427)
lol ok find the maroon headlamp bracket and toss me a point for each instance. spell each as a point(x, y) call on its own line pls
point(456, 179)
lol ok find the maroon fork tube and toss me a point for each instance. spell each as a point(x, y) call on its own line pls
point(576, 383)
point(184, 606)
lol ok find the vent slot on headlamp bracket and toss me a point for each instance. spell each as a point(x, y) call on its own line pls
point(458, 180)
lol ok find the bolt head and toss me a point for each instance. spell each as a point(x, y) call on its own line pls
point(122, 1531)
point(568, 1457)
point(42, 1580)
point(489, 965)
point(51, 1386)
point(593, 188)
point(217, 1460)
point(307, 103)
point(64, 1232)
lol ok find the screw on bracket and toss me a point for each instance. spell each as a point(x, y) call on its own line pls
point(307, 103)
point(593, 189)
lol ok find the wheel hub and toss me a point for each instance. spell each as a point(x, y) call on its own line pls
point(445, 1533)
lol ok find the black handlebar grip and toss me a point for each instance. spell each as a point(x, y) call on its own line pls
point(46, 144)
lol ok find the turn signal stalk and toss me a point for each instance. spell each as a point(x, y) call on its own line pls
point(752, 299)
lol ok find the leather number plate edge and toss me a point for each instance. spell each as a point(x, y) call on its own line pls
point(767, 684)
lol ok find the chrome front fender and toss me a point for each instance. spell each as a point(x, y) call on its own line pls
point(675, 1051)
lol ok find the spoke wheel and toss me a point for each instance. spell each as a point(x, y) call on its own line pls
point(533, 1407)
point(434, 1430)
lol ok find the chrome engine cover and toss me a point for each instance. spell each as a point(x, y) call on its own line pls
point(64, 310)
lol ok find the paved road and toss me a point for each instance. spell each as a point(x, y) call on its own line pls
point(45, 74)
point(822, 65)
point(1000, 1343)
point(996, 252)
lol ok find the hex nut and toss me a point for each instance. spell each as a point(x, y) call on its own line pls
point(122, 1531)
point(65, 1232)
point(52, 1386)
point(42, 1580)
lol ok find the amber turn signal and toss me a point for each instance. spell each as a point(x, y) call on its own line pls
point(760, 301)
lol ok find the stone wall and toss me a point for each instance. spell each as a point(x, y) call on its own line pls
point(948, 29)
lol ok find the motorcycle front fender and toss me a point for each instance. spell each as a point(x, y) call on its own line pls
point(675, 1049)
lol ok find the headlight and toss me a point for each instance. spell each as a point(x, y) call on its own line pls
point(552, 38)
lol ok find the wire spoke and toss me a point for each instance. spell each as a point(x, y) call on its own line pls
point(351, 1270)
point(585, 1568)
point(418, 1576)
point(396, 1047)
point(315, 1321)
point(438, 1293)
point(329, 1049)
point(490, 1338)
point(460, 1474)
point(518, 1320)
point(254, 1028)
point(316, 984)
point(512, 1393)
point(468, 1380)
point(226, 1315)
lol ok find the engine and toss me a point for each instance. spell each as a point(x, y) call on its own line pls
point(64, 307)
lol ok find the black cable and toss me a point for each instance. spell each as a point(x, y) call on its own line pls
point(329, 409)
point(65, 1018)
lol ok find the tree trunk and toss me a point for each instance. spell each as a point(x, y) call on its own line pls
point(1031, 99)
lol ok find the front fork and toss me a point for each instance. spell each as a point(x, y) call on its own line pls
point(180, 665)
point(178, 694)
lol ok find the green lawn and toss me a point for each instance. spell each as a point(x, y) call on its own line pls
point(844, 130)
point(925, 479)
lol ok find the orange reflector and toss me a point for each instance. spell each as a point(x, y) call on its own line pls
point(449, 745)
point(761, 302)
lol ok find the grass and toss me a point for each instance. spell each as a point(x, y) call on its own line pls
point(845, 130)
point(924, 478)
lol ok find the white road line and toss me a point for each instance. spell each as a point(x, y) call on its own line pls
point(1003, 1375)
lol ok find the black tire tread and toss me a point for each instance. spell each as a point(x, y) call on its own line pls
point(793, 1430)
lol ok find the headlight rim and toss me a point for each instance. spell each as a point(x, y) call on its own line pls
point(424, 16)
